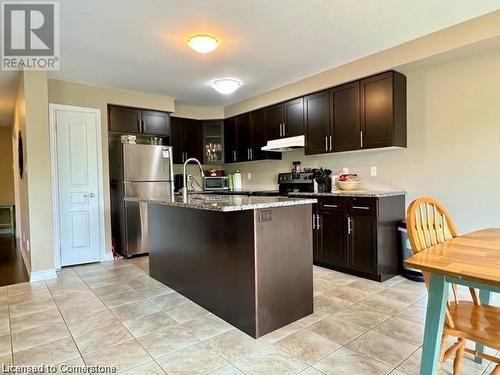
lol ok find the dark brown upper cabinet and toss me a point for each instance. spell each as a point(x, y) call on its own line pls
point(258, 137)
point(258, 125)
point(193, 139)
point(317, 122)
point(383, 110)
point(293, 124)
point(124, 120)
point(230, 140)
point(244, 135)
point(285, 119)
point(177, 139)
point(127, 120)
point(155, 122)
point(345, 117)
point(186, 139)
point(368, 113)
point(274, 121)
point(244, 146)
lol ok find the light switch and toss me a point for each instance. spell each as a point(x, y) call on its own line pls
point(373, 171)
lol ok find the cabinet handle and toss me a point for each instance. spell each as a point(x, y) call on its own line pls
point(318, 225)
point(314, 221)
point(281, 129)
point(361, 207)
point(284, 129)
point(349, 225)
point(234, 155)
point(331, 148)
point(361, 138)
point(326, 143)
point(331, 205)
point(251, 154)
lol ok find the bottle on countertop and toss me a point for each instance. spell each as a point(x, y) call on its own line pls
point(237, 181)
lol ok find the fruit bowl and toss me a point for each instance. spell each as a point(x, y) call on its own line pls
point(348, 185)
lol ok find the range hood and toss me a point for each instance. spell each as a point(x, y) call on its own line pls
point(285, 144)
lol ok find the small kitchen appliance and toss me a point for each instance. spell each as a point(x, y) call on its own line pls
point(215, 183)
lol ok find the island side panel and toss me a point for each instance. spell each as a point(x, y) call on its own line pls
point(208, 257)
point(284, 258)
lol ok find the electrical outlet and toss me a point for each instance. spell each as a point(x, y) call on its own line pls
point(249, 176)
point(373, 171)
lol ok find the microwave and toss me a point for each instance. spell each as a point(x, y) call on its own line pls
point(216, 183)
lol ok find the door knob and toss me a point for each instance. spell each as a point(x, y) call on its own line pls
point(91, 195)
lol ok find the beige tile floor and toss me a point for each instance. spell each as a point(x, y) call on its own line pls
point(113, 313)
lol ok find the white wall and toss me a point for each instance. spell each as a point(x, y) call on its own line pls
point(80, 95)
point(453, 149)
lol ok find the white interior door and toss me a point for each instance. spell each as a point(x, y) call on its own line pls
point(78, 180)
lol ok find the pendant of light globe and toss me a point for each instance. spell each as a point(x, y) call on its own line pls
point(226, 86)
point(203, 43)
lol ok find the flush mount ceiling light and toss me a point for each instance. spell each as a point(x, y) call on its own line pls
point(226, 85)
point(203, 43)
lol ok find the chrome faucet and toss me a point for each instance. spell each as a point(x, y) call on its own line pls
point(184, 178)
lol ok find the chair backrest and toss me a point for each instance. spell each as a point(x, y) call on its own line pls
point(428, 223)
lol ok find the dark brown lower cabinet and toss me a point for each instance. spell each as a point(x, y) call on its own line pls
point(330, 239)
point(358, 235)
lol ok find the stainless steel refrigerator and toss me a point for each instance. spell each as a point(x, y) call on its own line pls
point(137, 171)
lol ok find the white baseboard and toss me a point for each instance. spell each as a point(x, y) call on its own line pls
point(43, 275)
point(108, 255)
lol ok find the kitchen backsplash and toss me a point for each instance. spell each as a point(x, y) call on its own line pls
point(263, 174)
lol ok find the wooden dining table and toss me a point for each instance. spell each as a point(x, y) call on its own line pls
point(472, 260)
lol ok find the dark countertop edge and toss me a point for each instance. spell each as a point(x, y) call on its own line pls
point(358, 193)
point(231, 208)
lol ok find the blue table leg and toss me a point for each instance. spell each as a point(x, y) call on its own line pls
point(434, 324)
point(485, 297)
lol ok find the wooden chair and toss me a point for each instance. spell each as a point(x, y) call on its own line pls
point(428, 223)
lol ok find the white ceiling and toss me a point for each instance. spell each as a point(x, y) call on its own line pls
point(141, 45)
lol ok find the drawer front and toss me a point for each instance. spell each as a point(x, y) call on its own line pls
point(331, 204)
point(362, 206)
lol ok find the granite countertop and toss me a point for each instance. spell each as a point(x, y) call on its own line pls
point(228, 203)
point(354, 193)
point(240, 192)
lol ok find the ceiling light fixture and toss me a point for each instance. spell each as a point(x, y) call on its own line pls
point(203, 43)
point(226, 86)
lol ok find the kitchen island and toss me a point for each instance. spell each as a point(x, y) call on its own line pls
point(246, 259)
